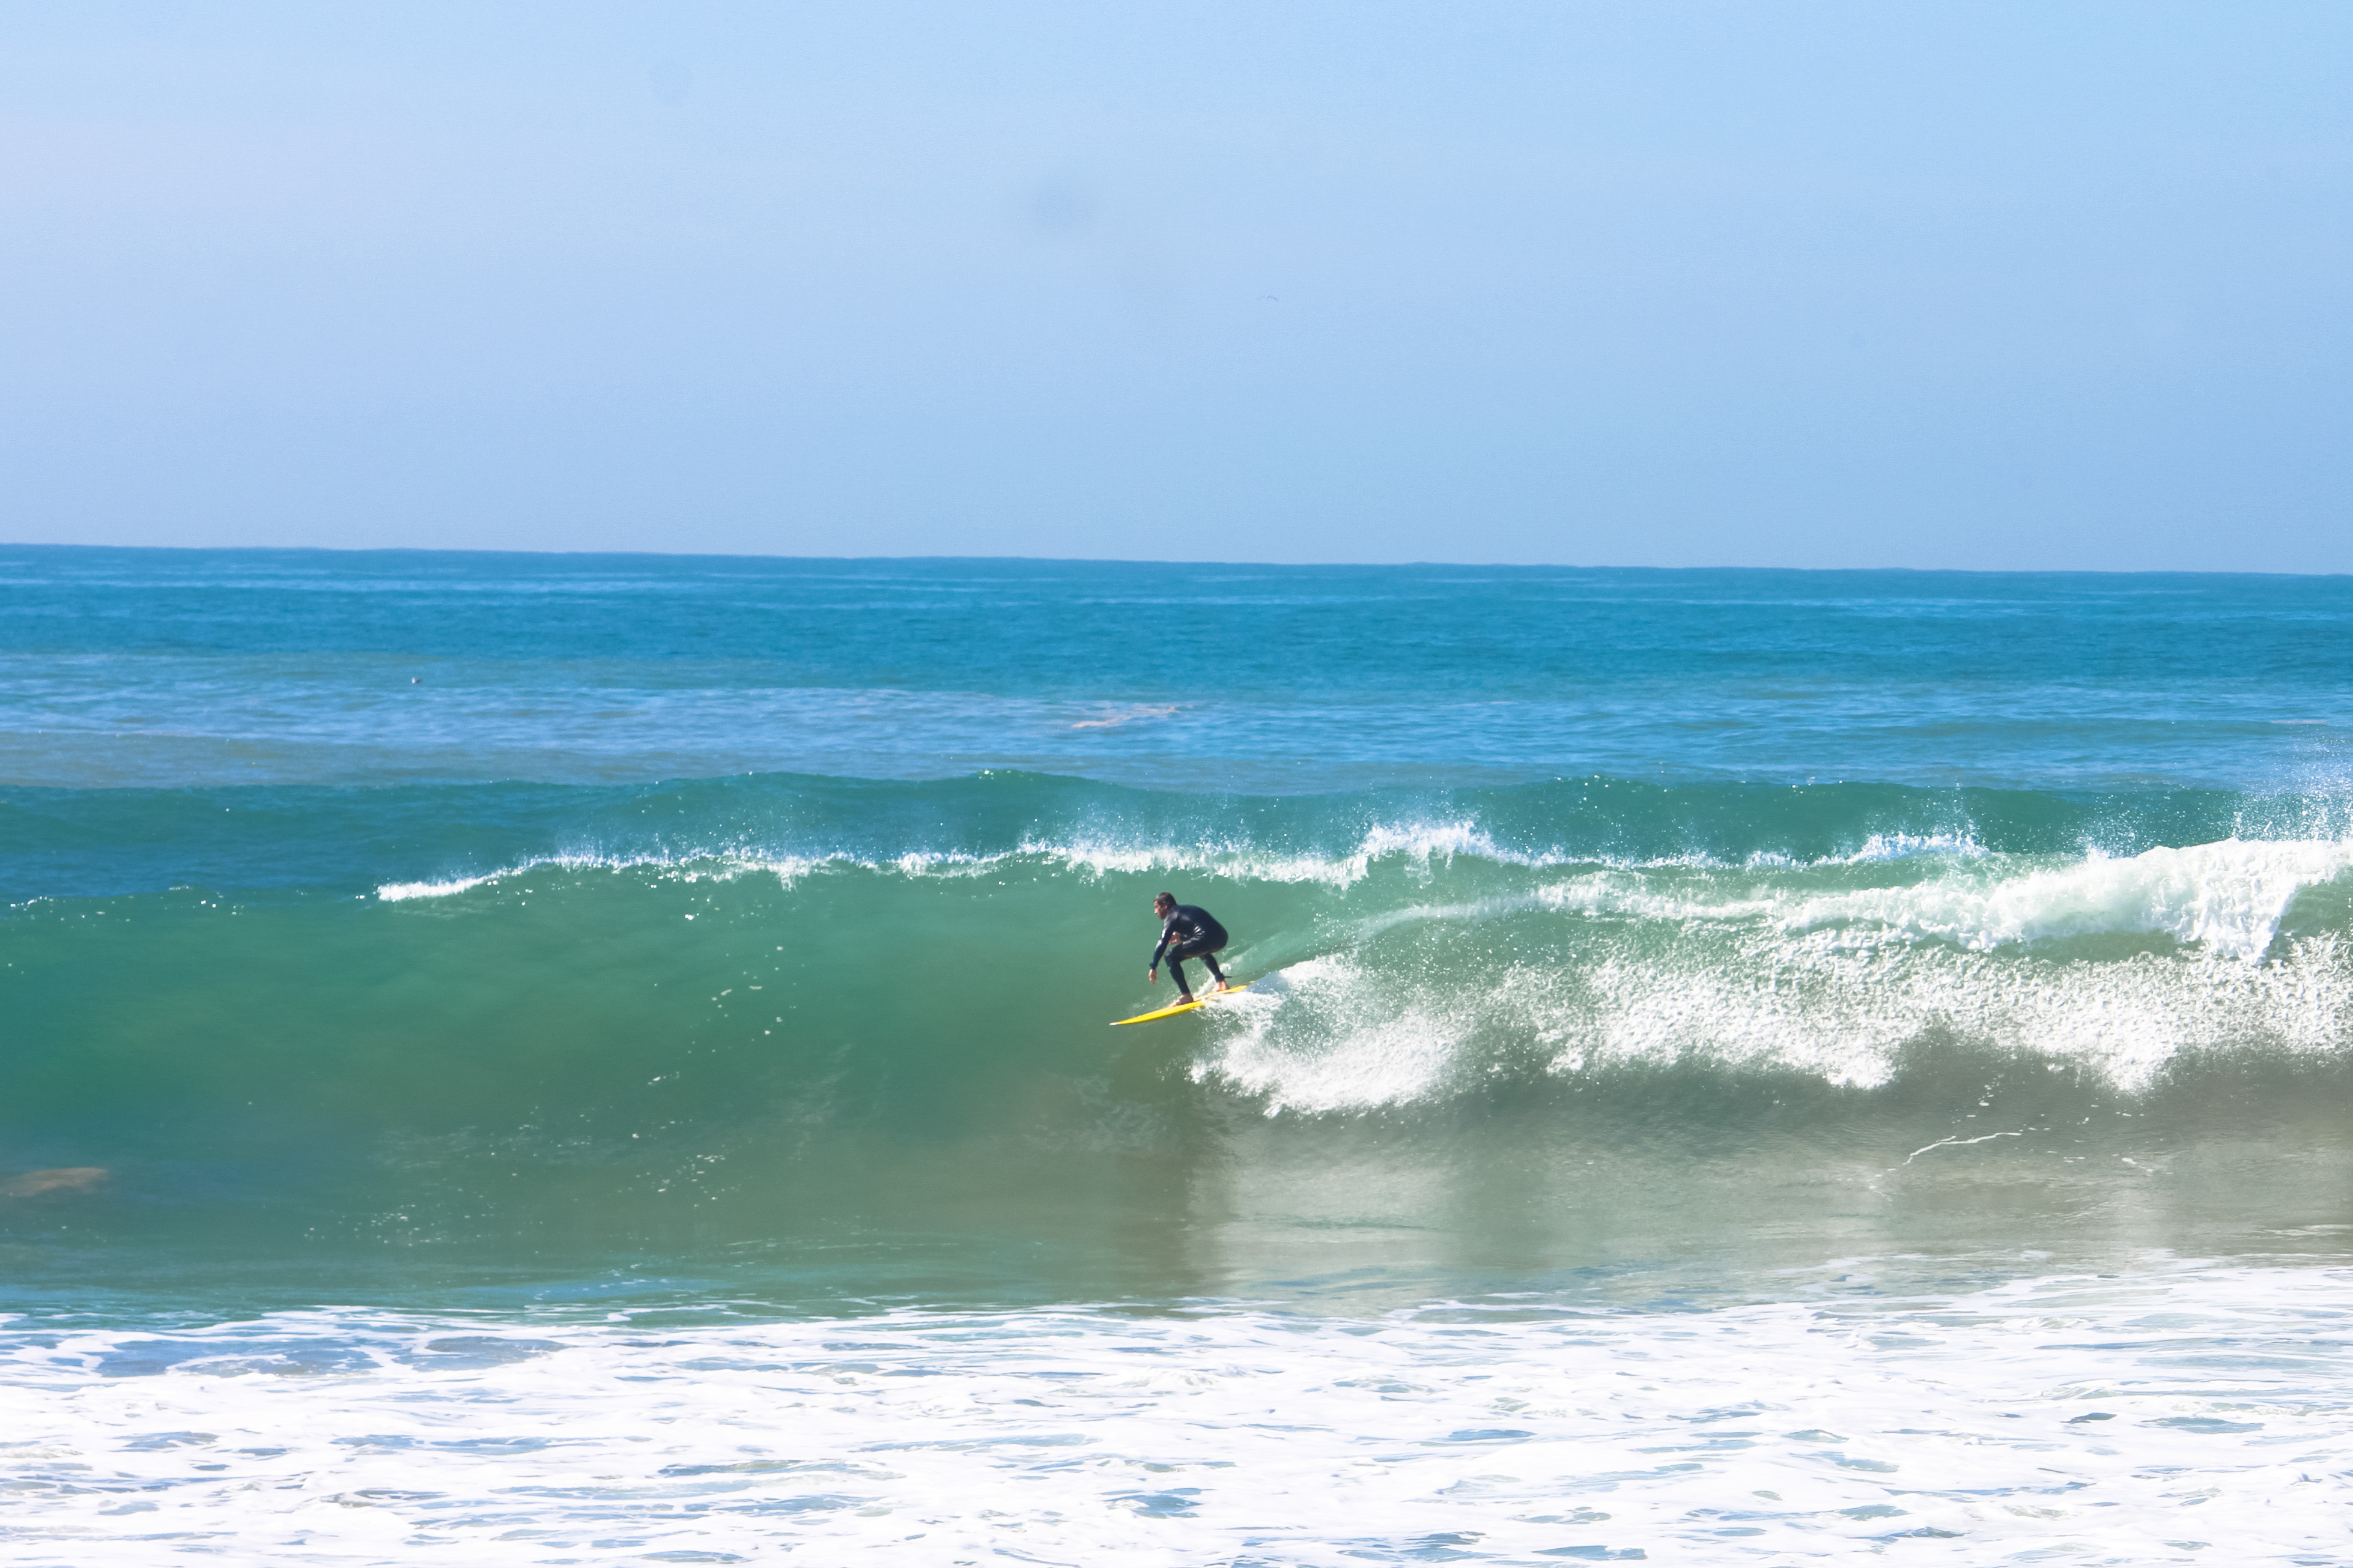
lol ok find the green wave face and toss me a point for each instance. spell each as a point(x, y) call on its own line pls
point(1460, 1058)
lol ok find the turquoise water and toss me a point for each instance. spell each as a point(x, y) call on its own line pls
point(504, 948)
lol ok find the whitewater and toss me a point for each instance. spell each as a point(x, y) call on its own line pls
point(601, 1060)
point(2005, 1421)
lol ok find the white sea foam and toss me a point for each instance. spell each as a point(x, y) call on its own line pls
point(1908, 845)
point(691, 867)
point(1846, 1017)
point(2229, 897)
point(1365, 1045)
point(2163, 1416)
point(1418, 843)
point(1354, 1033)
point(397, 892)
point(1426, 845)
point(1639, 897)
point(1423, 846)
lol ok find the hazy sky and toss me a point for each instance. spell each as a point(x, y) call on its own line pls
point(1987, 285)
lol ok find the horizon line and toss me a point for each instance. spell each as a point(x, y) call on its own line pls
point(1151, 560)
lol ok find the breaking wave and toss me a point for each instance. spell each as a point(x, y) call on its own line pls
point(719, 974)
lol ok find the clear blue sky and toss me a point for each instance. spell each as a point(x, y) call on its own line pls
point(1813, 285)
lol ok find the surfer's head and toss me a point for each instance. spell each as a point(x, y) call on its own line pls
point(1162, 903)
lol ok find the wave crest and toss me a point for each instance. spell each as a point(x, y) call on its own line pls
point(2229, 897)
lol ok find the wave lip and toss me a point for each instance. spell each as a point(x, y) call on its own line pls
point(712, 866)
point(1419, 843)
point(1769, 970)
point(401, 892)
point(1908, 846)
point(2228, 897)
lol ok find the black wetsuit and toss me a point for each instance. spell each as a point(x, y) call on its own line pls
point(1191, 931)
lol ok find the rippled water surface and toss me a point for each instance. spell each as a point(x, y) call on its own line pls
point(604, 1059)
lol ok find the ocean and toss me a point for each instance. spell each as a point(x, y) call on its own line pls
point(600, 1059)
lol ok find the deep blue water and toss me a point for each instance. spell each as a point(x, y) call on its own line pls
point(174, 668)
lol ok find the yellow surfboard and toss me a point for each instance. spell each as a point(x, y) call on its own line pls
point(1181, 1006)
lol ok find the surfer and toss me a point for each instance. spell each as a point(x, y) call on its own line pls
point(1186, 931)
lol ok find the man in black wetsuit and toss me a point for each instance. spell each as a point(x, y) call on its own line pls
point(1186, 931)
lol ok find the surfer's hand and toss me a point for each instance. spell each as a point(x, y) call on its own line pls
point(1152, 976)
